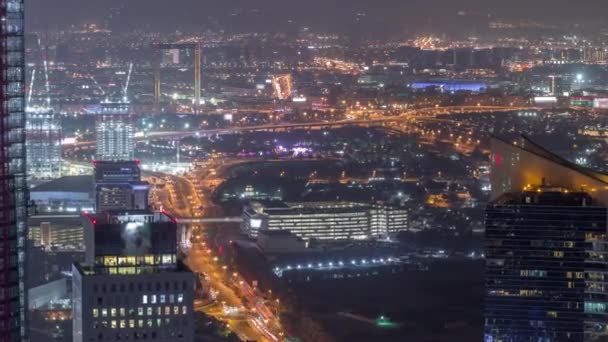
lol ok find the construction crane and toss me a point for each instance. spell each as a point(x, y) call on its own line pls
point(31, 90)
point(125, 89)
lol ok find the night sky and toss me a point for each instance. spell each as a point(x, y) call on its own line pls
point(381, 15)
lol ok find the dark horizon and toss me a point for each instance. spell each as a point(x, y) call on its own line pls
point(382, 17)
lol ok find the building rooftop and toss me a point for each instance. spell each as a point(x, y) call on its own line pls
point(549, 197)
point(67, 184)
point(520, 163)
point(87, 270)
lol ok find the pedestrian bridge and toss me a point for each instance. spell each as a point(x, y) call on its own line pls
point(190, 220)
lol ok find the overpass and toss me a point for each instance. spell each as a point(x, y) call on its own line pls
point(194, 220)
point(414, 114)
point(184, 220)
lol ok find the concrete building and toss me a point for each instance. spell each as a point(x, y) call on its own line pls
point(132, 286)
point(69, 194)
point(114, 132)
point(325, 220)
point(43, 141)
point(118, 186)
point(56, 232)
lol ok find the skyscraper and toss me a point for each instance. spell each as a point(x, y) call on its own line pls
point(114, 132)
point(132, 287)
point(545, 248)
point(536, 259)
point(44, 150)
point(13, 189)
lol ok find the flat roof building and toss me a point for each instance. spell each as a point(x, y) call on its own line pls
point(325, 220)
point(118, 186)
point(132, 286)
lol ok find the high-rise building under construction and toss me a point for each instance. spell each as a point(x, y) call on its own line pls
point(43, 142)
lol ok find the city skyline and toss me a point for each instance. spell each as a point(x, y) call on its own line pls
point(237, 170)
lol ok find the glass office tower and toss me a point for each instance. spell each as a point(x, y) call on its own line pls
point(13, 196)
point(537, 244)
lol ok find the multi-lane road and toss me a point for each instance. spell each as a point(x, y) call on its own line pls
point(374, 117)
point(228, 297)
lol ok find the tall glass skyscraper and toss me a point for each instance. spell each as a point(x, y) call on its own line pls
point(13, 190)
point(546, 248)
point(537, 243)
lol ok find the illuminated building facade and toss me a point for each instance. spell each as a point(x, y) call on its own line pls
point(114, 133)
point(326, 220)
point(43, 144)
point(282, 86)
point(536, 262)
point(132, 287)
point(13, 207)
point(118, 186)
point(545, 248)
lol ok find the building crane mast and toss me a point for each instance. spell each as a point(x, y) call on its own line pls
point(125, 90)
point(31, 90)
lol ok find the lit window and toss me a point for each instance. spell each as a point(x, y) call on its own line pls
point(159, 322)
point(552, 314)
point(144, 299)
point(110, 261)
point(184, 310)
point(113, 324)
point(149, 311)
point(122, 312)
point(162, 299)
point(113, 312)
point(180, 298)
point(171, 299)
point(595, 307)
point(153, 299)
point(149, 323)
point(140, 323)
point(104, 312)
point(140, 311)
point(167, 259)
point(558, 254)
point(159, 311)
point(123, 324)
point(131, 323)
point(95, 313)
point(176, 310)
point(149, 260)
point(167, 310)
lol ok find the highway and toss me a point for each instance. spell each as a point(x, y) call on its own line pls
point(377, 117)
point(236, 303)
